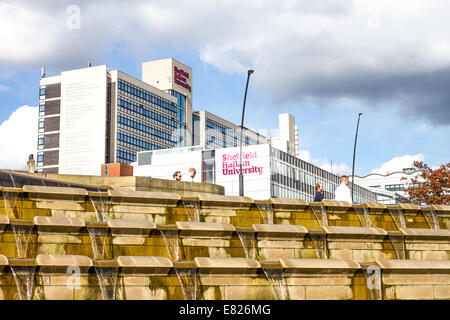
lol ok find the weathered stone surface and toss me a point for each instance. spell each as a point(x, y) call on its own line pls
point(321, 266)
point(410, 207)
point(121, 227)
point(4, 221)
point(143, 197)
point(145, 264)
point(328, 293)
point(226, 265)
point(205, 229)
point(362, 233)
point(288, 204)
point(58, 224)
point(426, 234)
point(59, 263)
point(3, 262)
point(412, 292)
point(55, 193)
point(59, 205)
point(219, 201)
point(442, 292)
point(280, 232)
point(419, 266)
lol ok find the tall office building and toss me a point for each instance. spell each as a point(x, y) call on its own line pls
point(214, 132)
point(92, 116)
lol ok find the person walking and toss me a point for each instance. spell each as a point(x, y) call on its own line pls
point(319, 192)
point(342, 192)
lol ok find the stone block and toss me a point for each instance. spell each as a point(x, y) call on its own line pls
point(55, 193)
point(328, 293)
point(58, 224)
point(426, 234)
point(60, 263)
point(120, 227)
point(288, 204)
point(226, 265)
point(205, 230)
point(414, 292)
point(321, 266)
point(209, 201)
point(58, 293)
point(442, 292)
point(164, 199)
point(279, 232)
point(359, 233)
point(145, 264)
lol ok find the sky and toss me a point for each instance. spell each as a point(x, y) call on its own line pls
point(322, 61)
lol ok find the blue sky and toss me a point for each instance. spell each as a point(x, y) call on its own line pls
point(323, 62)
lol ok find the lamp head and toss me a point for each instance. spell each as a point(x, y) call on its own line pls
point(250, 72)
point(359, 114)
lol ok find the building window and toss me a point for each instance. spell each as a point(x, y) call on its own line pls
point(41, 124)
point(394, 187)
point(42, 107)
point(41, 141)
point(40, 157)
point(42, 91)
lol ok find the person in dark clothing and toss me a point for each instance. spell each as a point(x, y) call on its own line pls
point(319, 192)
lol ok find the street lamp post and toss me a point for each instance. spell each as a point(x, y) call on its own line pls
point(354, 151)
point(241, 177)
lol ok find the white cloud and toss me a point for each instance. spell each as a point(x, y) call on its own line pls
point(372, 51)
point(18, 138)
point(399, 163)
point(325, 164)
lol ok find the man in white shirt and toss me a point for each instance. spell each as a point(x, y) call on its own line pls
point(342, 192)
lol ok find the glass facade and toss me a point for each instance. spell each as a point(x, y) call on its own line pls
point(221, 136)
point(292, 177)
point(146, 121)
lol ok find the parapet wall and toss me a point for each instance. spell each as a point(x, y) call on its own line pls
point(68, 243)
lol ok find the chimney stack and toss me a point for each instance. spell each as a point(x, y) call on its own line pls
point(31, 164)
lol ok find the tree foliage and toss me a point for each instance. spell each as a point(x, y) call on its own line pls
point(430, 186)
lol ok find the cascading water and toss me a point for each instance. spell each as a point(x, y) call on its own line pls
point(397, 216)
point(431, 218)
point(170, 238)
point(276, 281)
point(98, 241)
point(188, 282)
point(320, 212)
point(22, 236)
point(320, 243)
point(107, 278)
point(268, 210)
point(101, 206)
point(363, 217)
point(24, 278)
point(192, 205)
point(248, 241)
point(398, 243)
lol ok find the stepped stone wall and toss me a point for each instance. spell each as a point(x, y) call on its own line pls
point(70, 243)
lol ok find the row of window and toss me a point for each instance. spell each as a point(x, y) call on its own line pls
point(146, 112)
point(228, 133)
point(125, 156)
point(394, 187)
point(155, 133)
point(137, 142)
point(181, 99)
point(146, 95)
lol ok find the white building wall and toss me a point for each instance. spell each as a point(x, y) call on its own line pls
point(83, 121)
